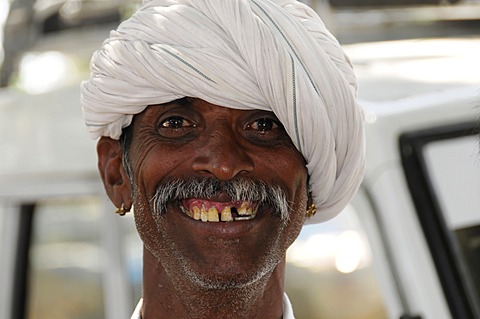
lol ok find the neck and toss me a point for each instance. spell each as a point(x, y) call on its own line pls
point(164, 297)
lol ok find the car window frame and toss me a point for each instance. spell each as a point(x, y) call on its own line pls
point(430, 215)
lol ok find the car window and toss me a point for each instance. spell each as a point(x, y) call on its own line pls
point(443, 173)
point(453, 167)
point(66, 260)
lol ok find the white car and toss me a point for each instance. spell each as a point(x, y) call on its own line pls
point(407, 247)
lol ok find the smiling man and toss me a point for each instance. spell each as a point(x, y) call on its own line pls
point(224, 125)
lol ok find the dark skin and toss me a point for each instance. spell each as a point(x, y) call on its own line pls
point(195, 269)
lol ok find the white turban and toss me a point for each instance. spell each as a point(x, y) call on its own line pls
point(273, 55)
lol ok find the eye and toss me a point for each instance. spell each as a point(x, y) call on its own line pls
point(176, 127)
point(263, 125)
point(176, 122)
point(265, 129)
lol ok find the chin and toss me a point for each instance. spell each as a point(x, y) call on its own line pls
point(229, 281)
point(229, 277)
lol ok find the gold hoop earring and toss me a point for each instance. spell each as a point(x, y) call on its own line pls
point(311, 211)
point(121, 211)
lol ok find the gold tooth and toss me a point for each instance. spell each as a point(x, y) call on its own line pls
point(245, 217)
point(203, 214)
point(226, 215)
point(196, 213)
point(212, 215)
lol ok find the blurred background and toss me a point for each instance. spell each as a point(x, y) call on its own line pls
point(407, 247)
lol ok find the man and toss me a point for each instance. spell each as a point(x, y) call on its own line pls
point(226, 124)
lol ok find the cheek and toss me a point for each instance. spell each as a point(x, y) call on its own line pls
point(146, 227)
point(294, 173)
point(300, 209)
point(155, 163)
point(287, 168)
point(297, 216)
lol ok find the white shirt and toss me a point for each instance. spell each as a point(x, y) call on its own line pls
point(287, 309)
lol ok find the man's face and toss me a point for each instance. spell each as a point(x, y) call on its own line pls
point(208, 234)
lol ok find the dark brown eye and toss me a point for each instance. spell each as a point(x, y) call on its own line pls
point(176, 122)
point(176, 127)
point(264, 124)
point(265, 130)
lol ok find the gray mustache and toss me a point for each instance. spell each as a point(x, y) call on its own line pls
point(237, 189)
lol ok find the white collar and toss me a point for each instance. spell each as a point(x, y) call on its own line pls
point(287, 309)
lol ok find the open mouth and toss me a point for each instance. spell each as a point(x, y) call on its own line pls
point(209, 211)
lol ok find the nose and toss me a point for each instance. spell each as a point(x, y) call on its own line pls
point(222, 156)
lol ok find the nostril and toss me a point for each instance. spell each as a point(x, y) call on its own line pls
point(224, 164)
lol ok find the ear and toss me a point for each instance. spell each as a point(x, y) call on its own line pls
point(112, 172)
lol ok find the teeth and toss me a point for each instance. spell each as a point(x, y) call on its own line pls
point(244, 212)
point(226, 215)
point(212, 215)
point(196, 213)
point(203, 214)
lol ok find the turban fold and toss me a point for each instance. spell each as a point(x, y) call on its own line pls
point(273, 55)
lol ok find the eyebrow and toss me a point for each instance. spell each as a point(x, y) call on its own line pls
point(184, 101)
